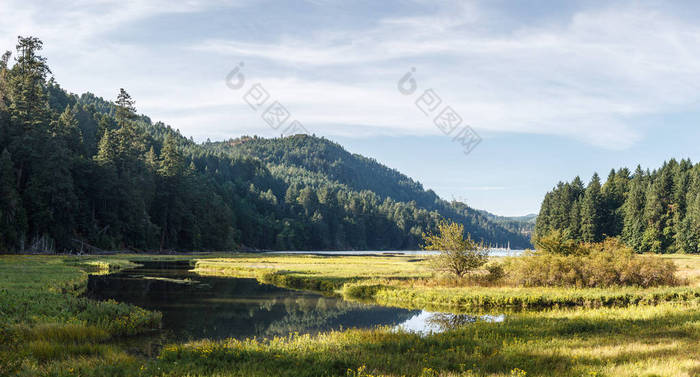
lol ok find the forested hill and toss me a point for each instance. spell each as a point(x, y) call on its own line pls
point(82, 173)
point(308, 161)
point(652, 211)
point(329, 159)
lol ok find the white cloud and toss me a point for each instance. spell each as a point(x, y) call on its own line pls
point(589, 77)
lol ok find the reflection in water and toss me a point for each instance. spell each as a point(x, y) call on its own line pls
point(196, 307)
point(426, 323)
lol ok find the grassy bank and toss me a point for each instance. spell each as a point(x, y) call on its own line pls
point(44, 318)
point(320, 273)
point(405, 281)
point(47, 329)
point(662, 340)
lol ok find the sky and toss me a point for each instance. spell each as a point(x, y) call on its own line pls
point(552, 89)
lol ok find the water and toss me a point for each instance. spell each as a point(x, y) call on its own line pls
point(427, 323)
point(196, 307)
point(492, 252)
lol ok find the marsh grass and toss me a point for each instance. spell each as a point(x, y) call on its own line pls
point(325, 274)
point(643, 340)
point(44, 318)
point(464, 299)
point(408, 282)
point(688, 267)
point(47, 329)
point(101, 266)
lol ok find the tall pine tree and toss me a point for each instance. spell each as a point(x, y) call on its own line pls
point(591, 211)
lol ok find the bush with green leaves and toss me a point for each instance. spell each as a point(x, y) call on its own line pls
point(603, 264)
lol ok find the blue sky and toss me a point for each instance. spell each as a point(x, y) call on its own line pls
point(555, 89)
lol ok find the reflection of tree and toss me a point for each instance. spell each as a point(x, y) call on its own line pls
point(447, 321)
point(228, 307)
point(330, 313)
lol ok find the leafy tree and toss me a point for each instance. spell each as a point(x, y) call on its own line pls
point(457, 255)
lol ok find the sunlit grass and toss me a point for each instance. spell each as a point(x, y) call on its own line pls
point(44, 318)
point(47, 329)
point(688, 267)
point(408, 281)
point(327, 267)
point(643, 340)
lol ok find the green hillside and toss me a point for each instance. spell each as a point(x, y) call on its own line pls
point(79, 173)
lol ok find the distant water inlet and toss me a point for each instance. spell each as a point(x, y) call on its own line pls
point(492, 252)
point(197, 307)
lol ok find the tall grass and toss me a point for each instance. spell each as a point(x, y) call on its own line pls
point(47, 329)
point(43, 316)
point(661, 340)
point(466, 299)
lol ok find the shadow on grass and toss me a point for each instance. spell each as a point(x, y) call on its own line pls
point(539, 346)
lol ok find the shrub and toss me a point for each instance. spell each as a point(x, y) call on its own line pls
point(457, 256)
point(557, 242)
point(495, 272)
point(604, 264)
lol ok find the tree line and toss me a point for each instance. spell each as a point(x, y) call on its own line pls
point(81, 173)
point(650, 211)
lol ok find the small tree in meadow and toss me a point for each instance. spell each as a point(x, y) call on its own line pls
point(457, 256)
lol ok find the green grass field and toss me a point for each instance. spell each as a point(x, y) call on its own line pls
point(47, 329)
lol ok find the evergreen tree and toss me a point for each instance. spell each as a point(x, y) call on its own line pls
point(13, 221)
point(680, 227)
point(86, 171)
point(126, 111)
point(574, 229)
point(691, 226)
point(544, 223)
point(172, 163)
point(657, 237)
point(308, 200)
point(591, 211)
point(633, 209)
point(67, 130)
point(613, 193)
point(29, 114)
point(4, 99)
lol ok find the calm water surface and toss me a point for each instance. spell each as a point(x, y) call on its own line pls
point(196, 307)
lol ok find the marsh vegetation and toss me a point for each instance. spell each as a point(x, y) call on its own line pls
point(49, 329)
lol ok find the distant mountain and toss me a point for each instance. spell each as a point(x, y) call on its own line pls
point(524, 225)
point(79, 173)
